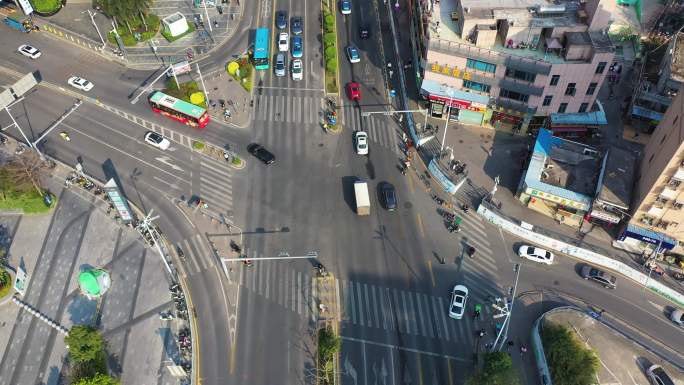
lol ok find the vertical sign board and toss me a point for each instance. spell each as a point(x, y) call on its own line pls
point(26, 7)
point(119, 201)
point(21, 281)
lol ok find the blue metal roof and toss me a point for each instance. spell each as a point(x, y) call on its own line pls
point(646, 113)
point(542, 148)
point(434, 88)
point(585, 118)
point(658, 237)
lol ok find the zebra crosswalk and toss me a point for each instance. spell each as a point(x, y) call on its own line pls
point(216, 186)
point(198, 257)
point(308, 111)
point(409, 312)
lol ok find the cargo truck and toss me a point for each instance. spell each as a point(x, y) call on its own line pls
point(362, 198)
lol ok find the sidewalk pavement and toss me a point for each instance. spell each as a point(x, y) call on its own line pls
point(221, 86)
point(74, 24)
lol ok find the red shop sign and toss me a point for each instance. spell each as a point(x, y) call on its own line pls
point(455, 103)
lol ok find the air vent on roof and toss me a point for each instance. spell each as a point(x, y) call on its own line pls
point(588, 151)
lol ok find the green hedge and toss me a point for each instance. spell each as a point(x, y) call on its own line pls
point(186, 89)
point(136, 24)
point(5, 282)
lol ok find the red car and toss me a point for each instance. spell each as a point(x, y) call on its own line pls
point(354, 91)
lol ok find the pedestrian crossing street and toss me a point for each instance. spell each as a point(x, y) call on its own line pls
point(308, 110)
point(373, 306)
point(473, 233)
point(215, 186)
point(198, 257)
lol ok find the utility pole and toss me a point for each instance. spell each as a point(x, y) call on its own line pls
point(281, 256)
point(204, 88)
point(137, 97)
point(207, 14)
point(446, 123)
point(648, 264)
point(147, 227)
point(92, 19)
point(505, 311)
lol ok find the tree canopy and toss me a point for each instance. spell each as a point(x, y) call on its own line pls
point(98, 379)
point(569, 361)
point(497, 370)
point(85, 343)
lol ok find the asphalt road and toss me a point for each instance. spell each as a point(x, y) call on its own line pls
point(394, 291)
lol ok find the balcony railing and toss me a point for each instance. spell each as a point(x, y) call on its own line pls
point(522, 87)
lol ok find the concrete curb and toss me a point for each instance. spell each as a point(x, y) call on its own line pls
point(10, 294)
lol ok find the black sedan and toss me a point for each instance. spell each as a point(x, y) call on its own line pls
point(261, 153)
point(281, 20)
point(389, 196)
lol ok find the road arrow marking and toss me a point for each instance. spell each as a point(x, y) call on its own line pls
point(166, 161)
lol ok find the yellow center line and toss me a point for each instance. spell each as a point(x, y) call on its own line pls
point(419, 219)
point(431, 272)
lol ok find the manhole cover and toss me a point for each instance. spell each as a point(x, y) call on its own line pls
point(408, 205)
point(320, 144)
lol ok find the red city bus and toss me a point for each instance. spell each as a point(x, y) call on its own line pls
point(179, 110)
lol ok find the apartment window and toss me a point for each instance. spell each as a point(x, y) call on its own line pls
point(513, 95)
point(592, 88)
point(562, 108)
point(547, 100)
point(583, 107)
point(571, 89)
point(481, 65)
point(554, 80)
point(521, 75)
point(601, 67)
point(476, 86)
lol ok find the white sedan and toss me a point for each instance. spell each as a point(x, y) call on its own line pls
point(361, 142)
point(157, 140)
point(283, 42)
point(80, 83)
point(459, 297)
point(297, 69)
point(29, 51)
point(536, 254)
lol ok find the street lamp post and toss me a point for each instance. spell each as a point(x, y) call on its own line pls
point(446, 123)
point(506, 311)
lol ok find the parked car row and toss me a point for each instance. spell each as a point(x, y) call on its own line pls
point(294, 44)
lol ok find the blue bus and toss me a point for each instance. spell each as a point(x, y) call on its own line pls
point(261, 47)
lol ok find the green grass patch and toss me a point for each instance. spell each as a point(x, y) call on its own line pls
point(197, 145)
point(236, 161)
point(46, 6)
point(186, 89)
point(138, 27)
point(5, 282)
point(30, 202)
point(246, 78)
point(171, 39)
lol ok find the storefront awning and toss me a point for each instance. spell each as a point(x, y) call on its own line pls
point(668, 193)
point(679, 175)
point(649, 236)
point(594, 118)
point(646, 113)
point(557, 129)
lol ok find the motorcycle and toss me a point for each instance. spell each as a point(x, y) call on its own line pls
point(3, 140)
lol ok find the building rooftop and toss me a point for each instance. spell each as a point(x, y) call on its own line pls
point(677, 66)
point(513, 10)
point(617, 180)
point(563, 168)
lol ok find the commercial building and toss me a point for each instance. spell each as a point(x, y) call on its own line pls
point(509, 63)
point(616, 183)
point(659, 85)
point(561, 178)
point(658, 209)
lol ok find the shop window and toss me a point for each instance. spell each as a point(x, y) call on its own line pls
point(514, 95)
point(476, 86)
point(562, 108)
point(554, 80)
point(547, 100)
point(481, 65)
point(583, 107)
